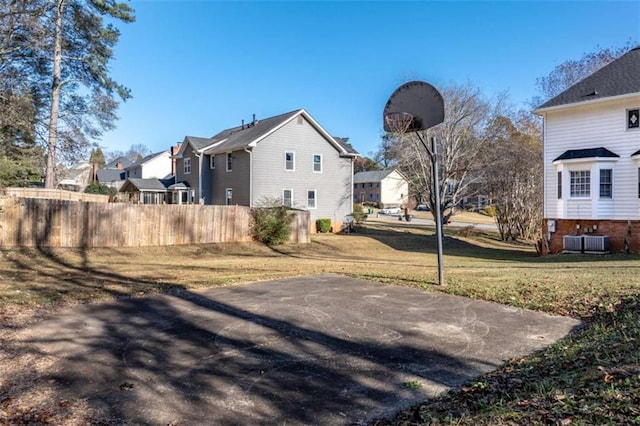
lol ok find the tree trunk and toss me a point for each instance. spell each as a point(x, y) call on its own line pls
point(50, 174)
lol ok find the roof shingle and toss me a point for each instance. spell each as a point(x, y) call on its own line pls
point(620, 77)
point(574, 154)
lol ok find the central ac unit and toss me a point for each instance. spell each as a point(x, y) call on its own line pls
point(597, 243)
point(572, 243)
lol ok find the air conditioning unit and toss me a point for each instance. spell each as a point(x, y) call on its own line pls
point(572, 243)
point(596, 243)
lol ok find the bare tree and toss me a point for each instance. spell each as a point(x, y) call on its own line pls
point(514, 176)
point(462, 139)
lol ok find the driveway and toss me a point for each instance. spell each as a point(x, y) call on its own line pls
point(313, 350)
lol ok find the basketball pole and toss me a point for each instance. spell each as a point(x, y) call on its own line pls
point(433, 153)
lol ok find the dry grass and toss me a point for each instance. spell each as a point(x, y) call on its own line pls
point(476, 265)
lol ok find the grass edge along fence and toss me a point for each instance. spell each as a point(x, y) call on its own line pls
point(30, 222)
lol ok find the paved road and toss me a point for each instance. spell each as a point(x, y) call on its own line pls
point(322, 349)
point(431, 222)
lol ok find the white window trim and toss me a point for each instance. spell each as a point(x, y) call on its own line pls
point(600, 197)
point(187, 162)
point(212, 161)
point(315, 199)
point(293, 161)
point(226, 159)
point(291, 191)
point(582, 197)
point(228, 202)
point(313, 163)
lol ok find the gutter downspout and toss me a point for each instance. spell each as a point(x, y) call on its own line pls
point(250, 152)
point(199, 156)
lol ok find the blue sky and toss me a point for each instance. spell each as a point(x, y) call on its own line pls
point(197, 67)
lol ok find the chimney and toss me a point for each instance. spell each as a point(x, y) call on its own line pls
point(174, 151)
point(254, 120)
point(243, 124)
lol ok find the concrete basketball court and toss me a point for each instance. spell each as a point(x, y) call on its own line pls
point(321, 349)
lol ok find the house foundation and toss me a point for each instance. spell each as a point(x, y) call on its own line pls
point(624, 235)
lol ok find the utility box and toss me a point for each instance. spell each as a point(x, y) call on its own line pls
point(572, 243)
point(551, 225)
point(596, 243)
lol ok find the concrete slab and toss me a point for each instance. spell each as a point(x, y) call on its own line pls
point(314, 350)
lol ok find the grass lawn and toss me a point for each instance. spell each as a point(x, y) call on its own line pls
point(591, 376)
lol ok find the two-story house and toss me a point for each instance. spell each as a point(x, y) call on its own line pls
point(158, 165)
point(592, 161)
point(288, 157)
point(389, 188)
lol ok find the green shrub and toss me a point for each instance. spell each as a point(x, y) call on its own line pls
point(271, 225)
point(99, 188)
point(359, 217)
point(323, 225)
point(357, 208)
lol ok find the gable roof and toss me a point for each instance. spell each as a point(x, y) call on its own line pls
point(248, 135)
point(636, 153)
point(371, 176)
point(574, 154)
point(109, 175)
point(619, 77)
point(151, 185)
point(146, 159)
point(113, 164)
point(344, 142)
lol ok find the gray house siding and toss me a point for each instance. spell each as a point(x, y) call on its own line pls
point(332, 185)
point(192, 178)
point(237, 179)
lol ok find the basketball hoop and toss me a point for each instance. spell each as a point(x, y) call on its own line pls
point(398, 122)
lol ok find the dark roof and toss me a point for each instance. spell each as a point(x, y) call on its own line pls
point(242, 136)
point(239, 137)
point(109, 175)
point(636, 153)
point(620, 77)
point(574, 154)
point(371, 176)
point(144, 184)
point(198, 143)
point(114, 163)
point(344, 143)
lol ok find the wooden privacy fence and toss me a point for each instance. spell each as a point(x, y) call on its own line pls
point(55, 194)
point(29, 222)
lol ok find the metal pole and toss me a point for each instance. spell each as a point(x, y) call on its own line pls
point(436, 188)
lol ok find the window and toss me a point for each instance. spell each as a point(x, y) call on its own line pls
point(633, 118)
point(187, 166)
point(362, 185)
point(229, 162)
point(212, 162)
point(311, 199)
point(287, 197)
point(580, 183)
point(289, 163)
point(317, 163)
point(228, 196)
point(559, 185)
point(606, 183)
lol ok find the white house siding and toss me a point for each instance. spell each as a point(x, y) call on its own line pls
point(192, 179)
point(332, 186)
point(592, 126)
point(158, 167)
point(393, 189)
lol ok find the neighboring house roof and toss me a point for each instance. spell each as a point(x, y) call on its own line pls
point(371, 176)
point(245, 136)
point(109, 175)
point(344, 142)
point(574, 154)
point(146, 159)
point(149, 185)
point(114, 163)
point(620, 77)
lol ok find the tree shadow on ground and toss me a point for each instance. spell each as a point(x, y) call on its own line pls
point(461, 242)
point(252, 359)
